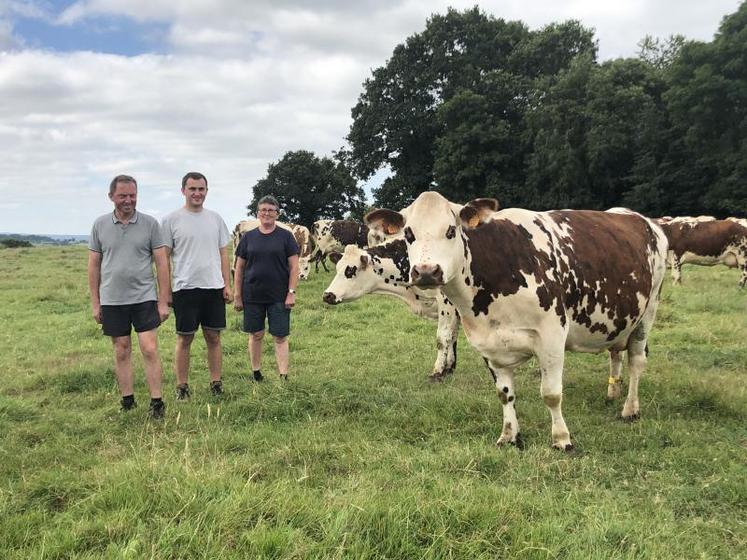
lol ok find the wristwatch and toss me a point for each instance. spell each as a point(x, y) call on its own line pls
point(291, 291)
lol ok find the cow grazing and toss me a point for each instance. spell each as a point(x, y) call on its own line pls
point(300, 233)
point(385, 270)
point(333, 235)
point(709, 242)
point(537, 284)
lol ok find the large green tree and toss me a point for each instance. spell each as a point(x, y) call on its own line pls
point(310, 188)
point(415, 113)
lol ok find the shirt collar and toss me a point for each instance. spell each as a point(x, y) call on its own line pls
point(116, 220)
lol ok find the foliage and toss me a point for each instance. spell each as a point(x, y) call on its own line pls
point(15, 243)
point(309, 188)
point(477, 106)
point(357, 456)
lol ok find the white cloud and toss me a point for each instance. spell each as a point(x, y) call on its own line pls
point(244, 83)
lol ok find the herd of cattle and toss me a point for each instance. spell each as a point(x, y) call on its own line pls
point(521, 283)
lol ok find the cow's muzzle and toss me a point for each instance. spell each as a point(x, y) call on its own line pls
point(427, 275)
point(330, 298)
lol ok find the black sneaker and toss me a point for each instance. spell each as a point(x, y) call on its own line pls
point(182, 392)
point(216, 388)
point(258, 376)
point(128, 403)
point(157, 409)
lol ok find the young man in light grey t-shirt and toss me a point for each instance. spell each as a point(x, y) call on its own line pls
point(197, 240)
point(122, 248)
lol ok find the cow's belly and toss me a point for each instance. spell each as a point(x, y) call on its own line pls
point(505, 344)
point(703, 260)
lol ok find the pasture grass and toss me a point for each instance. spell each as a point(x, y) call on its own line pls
point(357, 456)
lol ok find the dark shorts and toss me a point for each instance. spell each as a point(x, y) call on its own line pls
point(199, 306)
point(118, 320)
point(277, 315)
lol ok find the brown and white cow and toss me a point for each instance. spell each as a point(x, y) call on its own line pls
point(709, 242)
point(537, 284)
point(385, 270)
point(333, 235)
point(300, 233)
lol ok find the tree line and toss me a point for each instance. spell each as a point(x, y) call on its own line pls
point(475, 106)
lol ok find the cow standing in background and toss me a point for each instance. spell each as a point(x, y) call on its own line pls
point(333, 235)
point(537, 284)
point(300, 233)
point(706, 242)
point(385, 270)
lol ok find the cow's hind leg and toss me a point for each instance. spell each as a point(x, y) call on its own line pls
point(551, 367)
point(676, 270)
point(636, 365)
point(504, 385)
point(614, 384)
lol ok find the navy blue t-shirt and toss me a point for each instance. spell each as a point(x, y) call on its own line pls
point(267, 271)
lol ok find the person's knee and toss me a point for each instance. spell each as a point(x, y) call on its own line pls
point(122, 347)
point(212, 337)
point(184, 340)
point(257, 336)
point(280, 339)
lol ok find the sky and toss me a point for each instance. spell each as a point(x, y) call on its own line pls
point(155, 88)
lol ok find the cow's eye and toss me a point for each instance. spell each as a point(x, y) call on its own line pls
point(451, 232)
point(409, 236)
point(350, 271)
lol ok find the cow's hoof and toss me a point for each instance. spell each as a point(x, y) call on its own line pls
point(436, 378)
point(517, 441)
point(568, 447)
point(632, 418)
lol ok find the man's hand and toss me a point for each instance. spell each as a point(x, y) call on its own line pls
point(238, 305)
point(290, 300)
point(163, 310)
point(227, 295)
point(97, 314)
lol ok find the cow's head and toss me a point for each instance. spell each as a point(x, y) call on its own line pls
point(354, 278)
point(304, 268)
point(433, 229)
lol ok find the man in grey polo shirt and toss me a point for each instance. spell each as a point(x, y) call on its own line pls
point(123, 246)
point(197, 240)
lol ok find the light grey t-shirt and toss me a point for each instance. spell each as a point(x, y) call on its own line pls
point(195, 239)
point(127, 257)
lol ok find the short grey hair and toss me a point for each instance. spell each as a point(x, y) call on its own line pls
point(269, 199)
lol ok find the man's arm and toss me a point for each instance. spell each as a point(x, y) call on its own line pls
point(160, 256)
point(238, 279)
point(226, 274)
point(94, 281)
point(290, 298)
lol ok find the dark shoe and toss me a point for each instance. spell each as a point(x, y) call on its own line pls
point(182, 392)
point(216, 388)
point(128, 403)
point(258, 376)
point(157, 409)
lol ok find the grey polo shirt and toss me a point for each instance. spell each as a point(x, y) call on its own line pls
point(127, 257)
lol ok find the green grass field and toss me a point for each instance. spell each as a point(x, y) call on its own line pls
point(357, 456)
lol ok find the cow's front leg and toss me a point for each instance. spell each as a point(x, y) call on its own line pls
point(446, 339)
point(504, 385)
point(614, 384)
point(551, 367)
point(676, 270)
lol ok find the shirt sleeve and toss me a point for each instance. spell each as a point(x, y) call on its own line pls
point(241, 249)
point(157, 237)
point(291, 247)
point(223, 237)
point(167, 238)
point(94, 243)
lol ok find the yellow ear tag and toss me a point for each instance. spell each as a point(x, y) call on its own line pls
point(390, 229)
point(474, 221)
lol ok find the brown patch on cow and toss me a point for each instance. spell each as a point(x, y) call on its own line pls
point(348, 232)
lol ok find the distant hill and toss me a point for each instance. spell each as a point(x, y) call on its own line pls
point(47, 239)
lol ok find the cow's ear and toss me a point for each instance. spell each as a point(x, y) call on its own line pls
point(477, 211)
point(364, 262)
point(386, 220)
point(335, 257)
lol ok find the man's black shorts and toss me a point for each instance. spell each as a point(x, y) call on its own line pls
point(118, 320)
point(278, 317)
point(199, 306)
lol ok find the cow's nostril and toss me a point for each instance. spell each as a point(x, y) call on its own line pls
point(329, 298)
